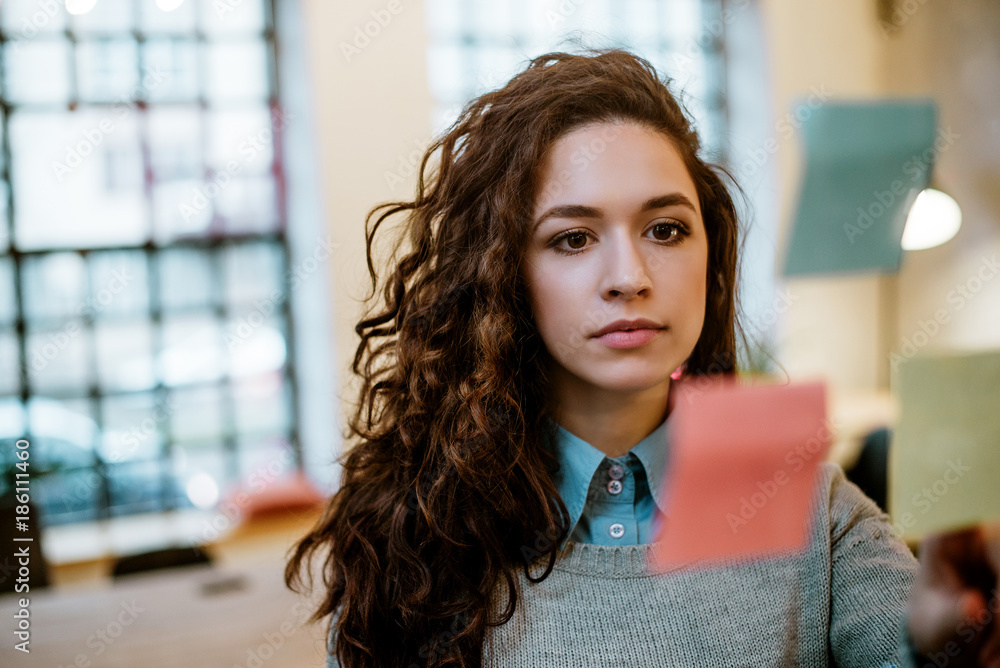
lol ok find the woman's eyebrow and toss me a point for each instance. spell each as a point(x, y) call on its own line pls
point(583, 211)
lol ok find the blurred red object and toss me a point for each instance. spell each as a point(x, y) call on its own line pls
point(289, 493)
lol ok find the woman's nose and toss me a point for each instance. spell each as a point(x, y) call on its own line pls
point(626, 274)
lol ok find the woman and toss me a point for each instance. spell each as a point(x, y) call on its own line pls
point(570, 253)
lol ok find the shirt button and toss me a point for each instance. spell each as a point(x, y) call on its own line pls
point(615, 487)
point(616, 471)
point(616, 530)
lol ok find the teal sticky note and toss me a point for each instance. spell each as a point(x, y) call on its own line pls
point(944, 461)
point(865, 164)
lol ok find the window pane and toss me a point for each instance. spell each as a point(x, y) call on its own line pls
point(186, 279)
point(13, 423)
point(262, 405)
point(106, 16)
point(72, 496)
point(120, 284)
point(91, 194)
point(63, 433)
point(172, 67)
point(54, 286)
point(253, 273)
point(256, 342)
point(8, 305)
point(642, 19)
point(223, 18)
point(4, 225)
point(265, 459)
point(197, 415)
point(133, 426)
point(135, 487)
point(181, 210)
point(494, 20)
point(444, 18)
point(37, 72)
point(243, 136)
point(201, 473)
point(24, 19)
point(124, 355)
point(192, 350)
point(107, 70)
point(10, 362)
point(236, 71)
point(249, 205)
point(175, 142)
point(58, 359)
point(180, 19)
point(446, 70)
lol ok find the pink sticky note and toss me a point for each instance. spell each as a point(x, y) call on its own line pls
point(741, 470)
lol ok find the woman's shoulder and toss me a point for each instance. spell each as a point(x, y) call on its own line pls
point(854, 522)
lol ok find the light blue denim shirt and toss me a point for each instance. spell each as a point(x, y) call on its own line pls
point(612, 500)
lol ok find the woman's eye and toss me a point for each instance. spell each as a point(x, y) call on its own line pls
point(666, 231)
point(577, 240)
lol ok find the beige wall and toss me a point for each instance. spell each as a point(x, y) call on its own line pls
point(374, 110)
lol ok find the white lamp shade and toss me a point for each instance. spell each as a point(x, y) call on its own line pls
point(934, 219)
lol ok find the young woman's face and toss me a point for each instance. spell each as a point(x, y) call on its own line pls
point(618, 234)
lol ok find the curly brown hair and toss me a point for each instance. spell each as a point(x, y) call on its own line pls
point(448, 491)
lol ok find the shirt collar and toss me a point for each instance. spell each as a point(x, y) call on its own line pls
point(579, 460)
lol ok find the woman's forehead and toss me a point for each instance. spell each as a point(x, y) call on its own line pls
point(619, 164)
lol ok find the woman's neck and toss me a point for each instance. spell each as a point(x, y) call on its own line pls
point(612, 422)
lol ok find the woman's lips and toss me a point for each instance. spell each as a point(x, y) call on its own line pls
point(628, 338)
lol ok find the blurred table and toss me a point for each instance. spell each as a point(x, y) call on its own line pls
point(202, 616)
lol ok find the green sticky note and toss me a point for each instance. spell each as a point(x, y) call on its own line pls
point(944, 461)
point(865, 164)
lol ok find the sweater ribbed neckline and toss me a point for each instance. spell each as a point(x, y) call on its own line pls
point(623, 561)
point(633, 561)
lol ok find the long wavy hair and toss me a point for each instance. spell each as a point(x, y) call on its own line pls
point(448, 492)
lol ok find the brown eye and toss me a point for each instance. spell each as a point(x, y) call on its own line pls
point(665, 231)
point(579, 236)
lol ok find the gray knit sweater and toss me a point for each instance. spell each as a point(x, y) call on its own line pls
point(840, 603)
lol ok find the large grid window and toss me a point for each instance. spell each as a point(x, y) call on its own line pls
point(477, 45)
point(144, 269)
